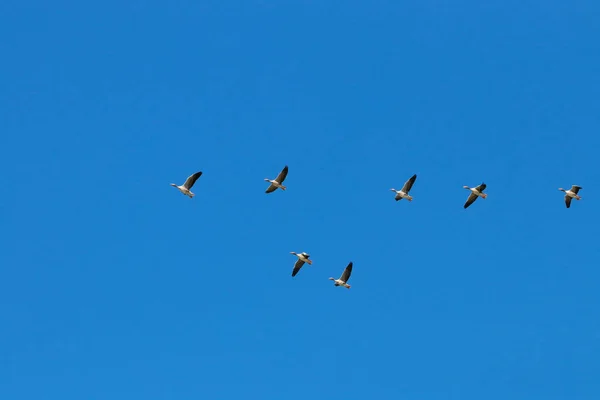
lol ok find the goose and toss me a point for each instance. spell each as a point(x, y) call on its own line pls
point(571, 194)
point(189, 182)
point(344, 278)
point(277, 182)
point(475, 193)
point(403, 194)
point(302, 258)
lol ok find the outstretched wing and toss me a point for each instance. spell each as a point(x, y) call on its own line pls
point(347, 272)
point(568, 201)
point(189, 182)
point(470, 200)
point(481, 187)
point(297, 267)
point(271, 188)
point(281, 177)
point(575, 189)
point(409, 184)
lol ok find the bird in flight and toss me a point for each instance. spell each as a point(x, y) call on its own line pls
point(475, 193)
point(277, 182)
point(344, 278)
point(302, 258)
point(571, 194)
point(189, 182)
point(403, 193)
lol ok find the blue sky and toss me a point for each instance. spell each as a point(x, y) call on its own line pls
point(116, 286)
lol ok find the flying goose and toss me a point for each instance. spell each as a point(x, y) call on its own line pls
point(571, 194)
point(344, 278)
point(189, 182)
point(277, 182)
point(475, 192)
point(302, 258)
point(403, 194)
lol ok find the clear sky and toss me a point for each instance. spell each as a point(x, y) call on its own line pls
point(116, 286)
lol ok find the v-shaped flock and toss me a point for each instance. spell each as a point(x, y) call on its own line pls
point(303, 258)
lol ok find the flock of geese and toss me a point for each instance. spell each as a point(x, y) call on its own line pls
point(304, 258)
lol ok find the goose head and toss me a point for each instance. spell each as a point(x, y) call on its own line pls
point(331, 279)
point(562, 190)
point(466, 187)
point(174, 185)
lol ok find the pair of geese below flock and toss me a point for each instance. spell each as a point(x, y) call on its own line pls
point(303, 258)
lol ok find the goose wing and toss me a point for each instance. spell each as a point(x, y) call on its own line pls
point(470, 200)
point(409, 184)
point(281, 177)
point(481, 187)
point(189, 182)
point(271, 188)
point(575, 189)
point(297, 267)
point(398, 197)
point(568, 201)
point(347, 272)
